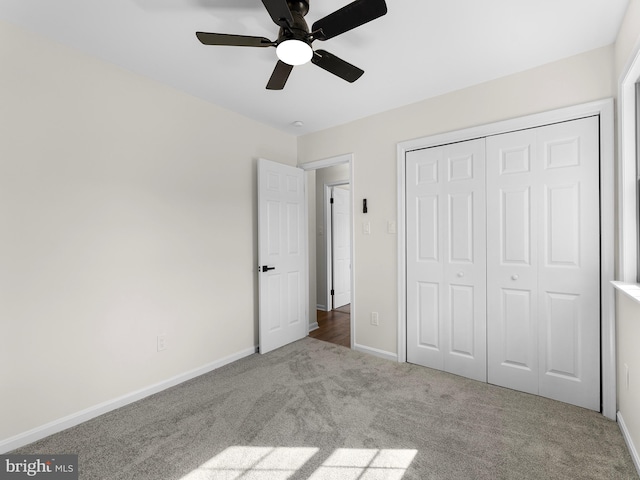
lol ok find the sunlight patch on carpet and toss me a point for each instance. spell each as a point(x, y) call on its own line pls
point(281, 463)
point(365, 464)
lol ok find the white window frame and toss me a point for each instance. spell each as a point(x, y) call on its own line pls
point(627, 170)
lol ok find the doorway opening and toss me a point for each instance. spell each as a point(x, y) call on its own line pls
point(334, 320)
point(337, 246)
point(331, 250)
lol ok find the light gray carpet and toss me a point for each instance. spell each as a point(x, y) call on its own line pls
point(316, 410)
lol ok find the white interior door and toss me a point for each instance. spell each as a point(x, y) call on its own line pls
point(512, 258)
point(544, 261)
point(341, 246)
point(446, 264)
point(281, 255)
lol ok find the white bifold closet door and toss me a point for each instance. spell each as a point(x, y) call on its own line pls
point(446, 275)
point(503, 261)
point(543, 261)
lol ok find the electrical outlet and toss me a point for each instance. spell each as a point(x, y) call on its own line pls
point(162, 342)
point(374, 319)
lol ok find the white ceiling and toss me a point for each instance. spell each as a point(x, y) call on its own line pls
point(420, 49)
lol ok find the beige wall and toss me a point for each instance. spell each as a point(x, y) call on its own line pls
point(628, 353)
point(373, 142)
point(627, 37)
point(128, 210)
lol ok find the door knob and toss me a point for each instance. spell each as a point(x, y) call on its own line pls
point(514, 277)
point(460, 274)
point(265, 268)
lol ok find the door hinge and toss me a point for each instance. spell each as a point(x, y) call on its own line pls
point(333, 292)
point(331, 200)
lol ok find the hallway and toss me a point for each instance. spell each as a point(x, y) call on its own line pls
point(334, 326)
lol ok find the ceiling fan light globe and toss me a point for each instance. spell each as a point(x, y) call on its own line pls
point(294, 52)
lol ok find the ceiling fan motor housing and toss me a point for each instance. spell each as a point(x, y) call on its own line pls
point(300, 6)
point(299, 30)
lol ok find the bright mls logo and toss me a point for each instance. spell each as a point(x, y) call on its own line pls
point(49, 467)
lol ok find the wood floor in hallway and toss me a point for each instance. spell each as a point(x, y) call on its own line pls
point(334, 326)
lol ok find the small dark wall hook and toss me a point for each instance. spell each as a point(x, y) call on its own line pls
point(364, 205)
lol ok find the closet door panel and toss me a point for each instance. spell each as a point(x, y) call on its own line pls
point(516, 347)
point(428, 308)
point(569, 270)
point(465, 267)
point(543, 256)
point(425, 260)
point(515, 210)
point(446, 293)
point(462, 326)
point(461, 227)
point(512, 306)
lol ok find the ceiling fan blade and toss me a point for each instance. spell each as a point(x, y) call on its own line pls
point(279, 11)
point(337, 66)
point(279, 76)
point(348, 17)
point(233, 40)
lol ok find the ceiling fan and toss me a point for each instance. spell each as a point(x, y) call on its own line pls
point(293, 45)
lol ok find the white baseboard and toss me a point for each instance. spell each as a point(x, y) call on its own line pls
point(629, 441)
point(77, 418)
point(313, 326)
point(378, 353)
point(322, 308)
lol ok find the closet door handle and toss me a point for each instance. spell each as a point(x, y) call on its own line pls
point(514, 277)
point(265, 268)
point(460, 274)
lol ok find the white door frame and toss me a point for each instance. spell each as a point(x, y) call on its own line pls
point(603, 108)
point(328, 236)
point(347, 158)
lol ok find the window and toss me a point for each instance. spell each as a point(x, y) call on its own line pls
point(628, 201)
